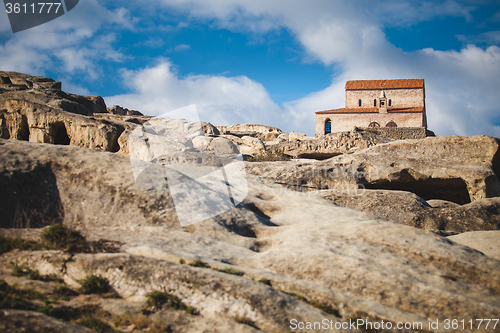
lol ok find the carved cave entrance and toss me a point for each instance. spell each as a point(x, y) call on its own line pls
point(454, 189)
point(61, 137)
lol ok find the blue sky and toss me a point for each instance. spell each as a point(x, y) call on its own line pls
point(272, 62)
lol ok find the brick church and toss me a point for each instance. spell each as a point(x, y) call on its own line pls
point(376, 104)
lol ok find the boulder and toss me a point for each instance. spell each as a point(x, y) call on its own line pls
point(266, 134)
point(299, 137)
point(247, 144)
point(223, 146)
point(314, 259)
point(409, 209)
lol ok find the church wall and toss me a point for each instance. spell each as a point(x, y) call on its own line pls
point(347, 121)
point(399, 97)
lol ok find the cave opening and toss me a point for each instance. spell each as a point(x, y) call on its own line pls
point(453, 189)
point(61, 137)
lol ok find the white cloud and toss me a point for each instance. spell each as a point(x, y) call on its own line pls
point(220, 100)
point(69, 38)
point(461, 87)
point(182, 47)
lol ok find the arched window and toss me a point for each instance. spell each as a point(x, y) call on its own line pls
point(374, 102)
point(328, 126)
point(359, 102)
point(390, 102)
point(391, 124)
point(374, 124)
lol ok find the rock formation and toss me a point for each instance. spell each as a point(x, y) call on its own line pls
point(337, 236)
point(315, 259)
point(432, 168)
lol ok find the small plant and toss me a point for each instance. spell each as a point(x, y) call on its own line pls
point(246, 321)
point(8, 244)
point(18, 270)
point(231, 271)
point(270, 156)
point(265, 281)
point(63, 312)
point(32, 294)
point(59, 237)
point(94, 324)
point(117, 321)
point(34, 275)
point(199, 263)
point(299, 297)
point(63, 291)
point(326, 308)
point(159, 298)
point(182, 261)
point(94, 284)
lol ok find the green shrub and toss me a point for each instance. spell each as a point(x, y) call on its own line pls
point(270, 156)
point(182, 261)
point(63, 312)
point(265, 281)
point(94, 324)
point(34, 275)
point(8, 244)
point(160, 298)
point(231, 271)
point(59, 237)
point(10, 298)
point(199, 263)
point(93, 284)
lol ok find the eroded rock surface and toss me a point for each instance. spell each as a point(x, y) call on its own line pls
point(299, 243)
point(457, 169)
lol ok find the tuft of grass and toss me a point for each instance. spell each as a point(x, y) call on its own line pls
point(94, 324)
point(11, 298)
point(182, 261)
point(325, 308)
point(270, 156)
point(265, 281)
point(159, 298)
point(8, 244)
point(93, 284)
point(231, 271)
point(246, 321)
point(299, 297)
point(199, 263)
point(59, 237)
point(35, 275)
point(63, 312)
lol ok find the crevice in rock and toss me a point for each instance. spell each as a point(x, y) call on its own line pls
point(115, 146)
point(61, 137)
point(453, 189)
point(24, 132)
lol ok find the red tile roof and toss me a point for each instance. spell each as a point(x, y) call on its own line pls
point(371, 110)
point(384, 84)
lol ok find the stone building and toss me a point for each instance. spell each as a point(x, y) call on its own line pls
point(377, 104)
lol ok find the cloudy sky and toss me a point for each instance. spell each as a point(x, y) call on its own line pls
point(272, 62)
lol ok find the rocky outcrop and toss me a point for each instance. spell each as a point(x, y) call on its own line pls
point(35, 109)
point(118, 110)
point(329, 145)
point(340, 262)
point(267, 134)
point(409, 209)
point(433, 168)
